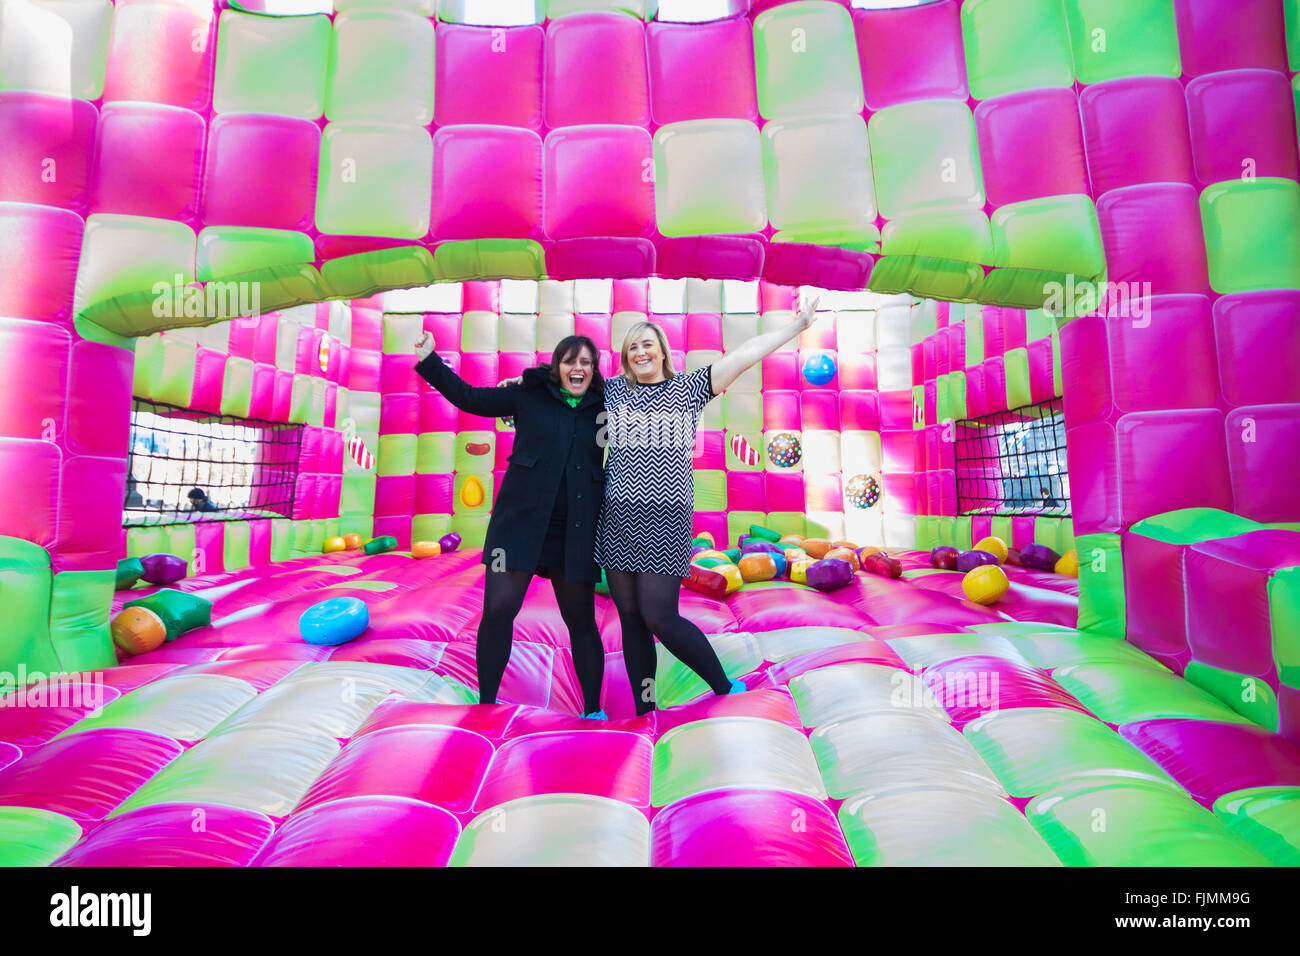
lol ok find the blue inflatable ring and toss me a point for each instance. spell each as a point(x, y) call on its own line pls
point(335, 621)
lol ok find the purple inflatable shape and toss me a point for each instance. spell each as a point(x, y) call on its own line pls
point(163, 568)
point(449, 542)
point(1039, 557)
point(829, 574)
point(969, 560)
point(757, 546)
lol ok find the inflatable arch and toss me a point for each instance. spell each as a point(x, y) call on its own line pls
point(252, 209)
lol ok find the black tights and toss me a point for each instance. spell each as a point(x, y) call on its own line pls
point(647, 604)
point(503, 596)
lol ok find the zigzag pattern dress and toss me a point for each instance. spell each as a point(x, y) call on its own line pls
point(645, 524)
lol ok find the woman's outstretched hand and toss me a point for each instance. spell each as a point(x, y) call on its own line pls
point(424, 347)
point(517, 380)
point(807, 313)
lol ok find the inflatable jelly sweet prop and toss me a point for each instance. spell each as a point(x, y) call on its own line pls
point(784, 450)
point(758, 566)
point(138, 630)
point(425, 549)
point(334, 622)
point(162, 568)
point(359, 453)
point(129, 571)
point(883, 565)
point(1069, 564)
point(177, 610)
point(332, 545)
point(817, 547)
point(1039, 557)
point(973, 559)
point(764, 534)
point(829, 574)
point(323, 354)
point(819, 369)
point(353, 541)
point(994, 546)
point(986, 584)
point(449, 542)
point(743, 451)
point(944, 557)
point(862, 491)
point(708, 581)
point(381, 544)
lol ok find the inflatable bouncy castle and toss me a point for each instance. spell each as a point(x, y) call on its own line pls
point(1032, 475)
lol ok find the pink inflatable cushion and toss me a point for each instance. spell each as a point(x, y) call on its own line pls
point(364, 831)
point(173, 834)
point(158, 181)
point(489, 76)
point(1262, 445)
point(596, 71)
point(597, 182)
point(1136, 132)
point(603, 763)
point(774, 704)
point(1009, 127)
point(1128, 216)
point(86, 775)
point(1210, 759)
point(33, 721)
point(969, 687)
point(439, 765)
point(892, 73)
point(1241, 122)
point(701, 70)
point(43, 135)
point(1158, 445)
point(735, 828)
point(49, 242)
point(487, 180)
point(537, 720)
point(485, 720)
point(1255, 40)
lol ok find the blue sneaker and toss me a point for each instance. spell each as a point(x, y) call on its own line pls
point(597, 715)
point(737, 686)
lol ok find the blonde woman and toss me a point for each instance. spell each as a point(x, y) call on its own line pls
point(643, 535)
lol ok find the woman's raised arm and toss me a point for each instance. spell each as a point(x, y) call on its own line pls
point(734, 364)
point(488, 402)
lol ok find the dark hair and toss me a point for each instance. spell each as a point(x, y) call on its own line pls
point(570, 347)
point(196, 493)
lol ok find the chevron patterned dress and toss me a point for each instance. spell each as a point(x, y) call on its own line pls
point(645, 524)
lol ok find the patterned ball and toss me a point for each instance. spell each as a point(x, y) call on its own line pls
point(863, 491)
point(819, 369)
point(784, 450)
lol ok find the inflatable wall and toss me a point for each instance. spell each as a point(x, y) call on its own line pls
point(254, 208)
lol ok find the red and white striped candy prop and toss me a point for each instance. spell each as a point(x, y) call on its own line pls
point(359, 453)
point(743, 452)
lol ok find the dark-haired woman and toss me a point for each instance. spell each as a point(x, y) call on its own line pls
point(544, 518)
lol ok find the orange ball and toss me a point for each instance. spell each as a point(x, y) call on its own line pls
point(352, 541)
point(758, 566)
point(845, 554)
point(817, 547)
point(138, 630)
point(426, 549)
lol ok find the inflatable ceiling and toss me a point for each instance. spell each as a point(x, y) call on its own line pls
point(253, 209)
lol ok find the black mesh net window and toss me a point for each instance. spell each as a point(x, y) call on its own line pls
point(1013, 463)
point(192, 466)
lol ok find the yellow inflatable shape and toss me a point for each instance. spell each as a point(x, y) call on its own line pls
point(1069, 564)
point(732, 574)
point(472, 494)
point(985, 584)
point(994, 546)
point(799, 570)
point(335, 544)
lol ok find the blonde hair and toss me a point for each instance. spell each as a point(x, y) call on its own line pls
point(632, 333)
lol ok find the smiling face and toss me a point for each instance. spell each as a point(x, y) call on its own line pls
point(577, 369)
point(645, 354)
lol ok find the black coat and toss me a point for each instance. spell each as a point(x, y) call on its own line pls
point(551, 439)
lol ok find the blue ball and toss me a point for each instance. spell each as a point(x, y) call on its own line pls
point(335, 621)
point(819, 369)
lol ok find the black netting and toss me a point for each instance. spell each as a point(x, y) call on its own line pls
point(243, 468)
point(1013, 463)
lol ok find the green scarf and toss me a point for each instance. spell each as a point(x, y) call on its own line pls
point(572, 399)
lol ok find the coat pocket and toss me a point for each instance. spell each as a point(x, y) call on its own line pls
point(522, 461)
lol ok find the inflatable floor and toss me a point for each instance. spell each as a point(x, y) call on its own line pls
point(889, 722)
